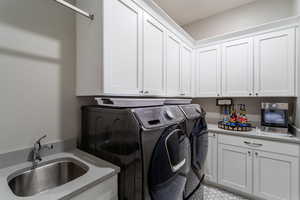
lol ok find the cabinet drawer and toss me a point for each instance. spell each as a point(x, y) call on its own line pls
point(258, 144)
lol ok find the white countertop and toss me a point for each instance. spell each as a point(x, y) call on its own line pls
point(99, 171)
point(256, 133)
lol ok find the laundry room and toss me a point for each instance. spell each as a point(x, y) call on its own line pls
point(150, 100)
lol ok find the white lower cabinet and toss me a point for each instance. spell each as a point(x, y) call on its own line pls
point(211, 169)
point(276, 176)
point(107, 190)
point(262, 168)
point(235, 167)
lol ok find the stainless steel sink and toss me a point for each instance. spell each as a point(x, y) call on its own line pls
point(28, 182)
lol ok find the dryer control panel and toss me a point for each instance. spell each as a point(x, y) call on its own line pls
point(156, 117)
point(192, 111)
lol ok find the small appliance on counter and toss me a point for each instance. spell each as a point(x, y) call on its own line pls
point(274, 117)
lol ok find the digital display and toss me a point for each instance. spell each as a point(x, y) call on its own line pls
point(274, 117)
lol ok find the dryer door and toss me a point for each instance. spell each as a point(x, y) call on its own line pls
point(169, 166)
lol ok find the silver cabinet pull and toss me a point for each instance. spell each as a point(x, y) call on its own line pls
point(141, 91)
point(257, 145)
point(253, 144)
point(146, 92)
point(249, 153)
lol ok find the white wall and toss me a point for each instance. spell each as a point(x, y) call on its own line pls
point(296, 7)
point(37, 73)
point(259, 12)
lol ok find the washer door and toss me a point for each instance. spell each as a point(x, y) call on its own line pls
point(199, 142)
point(169, 166)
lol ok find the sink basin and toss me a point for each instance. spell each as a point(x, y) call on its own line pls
point(28, 182)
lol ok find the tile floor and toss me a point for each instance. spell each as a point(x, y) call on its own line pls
point(211, 193)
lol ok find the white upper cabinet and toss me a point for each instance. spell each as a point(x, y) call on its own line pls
point(125, 51)
point(208, 71)
point(173, 65)
point(130, 50)
point(122, 47)
point(154, 57)
point(275, 63)
point(237, 68)
point(186, 71)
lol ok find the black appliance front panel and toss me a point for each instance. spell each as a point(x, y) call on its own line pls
point(169, 165)
point(114, 135)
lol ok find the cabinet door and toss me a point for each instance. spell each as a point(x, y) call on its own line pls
point(208, 72)
point(237, 68)
point(154, 52)
point(122, 47)
point(275, 63)
point(186, 71)
point(173, 65)
point(107, 190)
point(211, 165)
point(276, 177)
point(235, 167)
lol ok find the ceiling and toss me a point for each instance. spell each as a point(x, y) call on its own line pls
point(187, 11)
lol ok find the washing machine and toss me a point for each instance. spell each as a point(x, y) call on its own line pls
point(196, 129)
point(149, 144)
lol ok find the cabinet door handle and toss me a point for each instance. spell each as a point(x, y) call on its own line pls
point(146, 92)
point(253, 144)
point(249, 153)
point(141, 92)
point(257, 145)
point(256, 94)
point(250, 94)
point(256, 153)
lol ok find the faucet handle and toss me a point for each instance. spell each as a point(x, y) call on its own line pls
point(38, 142)
point(43, 137)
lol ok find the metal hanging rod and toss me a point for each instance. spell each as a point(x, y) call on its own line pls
point(74, 8)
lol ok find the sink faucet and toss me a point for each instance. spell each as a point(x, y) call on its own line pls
point(36, 152)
